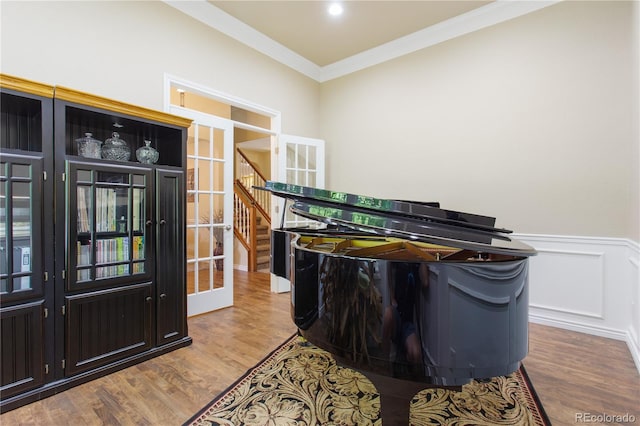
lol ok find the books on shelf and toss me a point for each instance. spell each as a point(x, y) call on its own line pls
point(112, 250)
point(22, 263)
point(137, 209)
point(106, 203)
point(112, 256)
point(138, 247)
point(84, 202)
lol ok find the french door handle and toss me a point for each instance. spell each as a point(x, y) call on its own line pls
point(162, 221)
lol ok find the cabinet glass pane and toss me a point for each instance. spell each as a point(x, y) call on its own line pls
point(138, 210)
point(110, 226)
point(138, 247)
point(138, 267)
point(139, 180)
point(84, 176)
point(112, 252)
point(84, 206)
point(20, 170)
point(112, 177)
point(21, 232)
point(111, 209)
point(4, 254)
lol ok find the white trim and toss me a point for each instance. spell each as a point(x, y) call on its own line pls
point(217, 95)
point(634, 348)
point(241, 267)
point(477, 19)
point(216, 18)
point(251, 127)
point(482, 17)
point(579, 327)
point(633, 336)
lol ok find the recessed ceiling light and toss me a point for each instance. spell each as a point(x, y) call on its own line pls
point(335, 9)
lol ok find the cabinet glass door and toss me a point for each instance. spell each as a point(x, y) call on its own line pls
point(108, 217)
point(20, 229)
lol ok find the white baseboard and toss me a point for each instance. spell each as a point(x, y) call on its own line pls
point(575, 326)
point(241, 267)
point(586, 284)
point(634, 347)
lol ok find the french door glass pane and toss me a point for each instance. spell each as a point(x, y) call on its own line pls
point(218, 176)
point(218, 144)
point(311, 158)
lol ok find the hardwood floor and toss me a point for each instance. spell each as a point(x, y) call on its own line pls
point(576, 374)
point(571, 372)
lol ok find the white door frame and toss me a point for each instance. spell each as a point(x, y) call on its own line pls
point(292, 172)
point(171, 81)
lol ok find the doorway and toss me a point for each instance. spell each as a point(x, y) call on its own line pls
point(220, 125)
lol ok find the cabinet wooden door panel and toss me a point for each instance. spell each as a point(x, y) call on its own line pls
point(108, 325)
point(170, 276)
point(22, 362)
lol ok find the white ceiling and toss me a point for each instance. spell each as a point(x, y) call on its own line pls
point(301, 34)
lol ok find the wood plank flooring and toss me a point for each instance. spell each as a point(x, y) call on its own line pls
point(572, 372)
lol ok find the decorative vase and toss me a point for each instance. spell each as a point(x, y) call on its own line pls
point(147, 154)
point(115, 148)
point(88, 146)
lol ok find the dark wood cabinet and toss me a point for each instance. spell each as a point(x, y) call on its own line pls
point(107, 326)
point(105, 288)
point(26, 235)
point(23, 364)
point(170, 241)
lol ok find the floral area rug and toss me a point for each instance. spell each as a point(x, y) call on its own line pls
point(300, 384)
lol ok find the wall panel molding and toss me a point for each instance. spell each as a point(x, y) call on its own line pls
point(586, 284)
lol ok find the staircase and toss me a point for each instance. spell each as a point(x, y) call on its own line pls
point(263, 246)
point(252, 223)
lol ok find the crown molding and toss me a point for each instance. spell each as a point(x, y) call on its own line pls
point(477, 19)
point(483, 17)
point(220, 20)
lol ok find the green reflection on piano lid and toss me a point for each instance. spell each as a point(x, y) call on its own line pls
point(367, 219)
point(332, 196)
point(325, 212)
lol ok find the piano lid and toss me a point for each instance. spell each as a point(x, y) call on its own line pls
point(409, 220)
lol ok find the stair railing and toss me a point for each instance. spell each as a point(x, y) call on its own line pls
point(248, 176)
point(245, 223)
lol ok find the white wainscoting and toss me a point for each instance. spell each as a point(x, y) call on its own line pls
point(586, 284)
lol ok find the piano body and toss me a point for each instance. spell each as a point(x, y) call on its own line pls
point(409, 294)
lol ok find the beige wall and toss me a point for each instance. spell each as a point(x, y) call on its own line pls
point(530, 121)
point(534, 121)
point(121, 50)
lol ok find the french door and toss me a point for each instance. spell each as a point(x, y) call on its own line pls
point(300, 161)
point(209, 212)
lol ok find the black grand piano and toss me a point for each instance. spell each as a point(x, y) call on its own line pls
point(409, 294)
